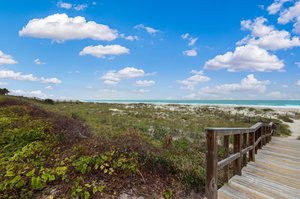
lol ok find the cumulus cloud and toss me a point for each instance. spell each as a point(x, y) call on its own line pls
point(148, 29)
point(129, 37)
point(191, 82)
point(290, 14)
point(248, 85)
point(38, 62)
point(248, 57)
point(298, 83)
point(114, 77)
point(80, 7)
point(103, 51)
point(64, 5)
point(60, 27)
point(267, 37)
point(68, 6)
point(190, 53)
point(49, 87)
point(6, 59)
point(192, 40)
point(276, 6)
point(35, 93)
point(9, 74)
point(145, 83)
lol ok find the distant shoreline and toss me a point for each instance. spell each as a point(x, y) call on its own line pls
point(274, 104)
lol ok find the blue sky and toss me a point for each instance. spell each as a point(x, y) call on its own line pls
point(151, 49)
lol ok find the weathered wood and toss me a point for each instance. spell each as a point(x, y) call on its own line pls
point(237, 148)
point(228, 160)
point(226, 153)
point(275, 174)
point(245, 144)
point(245, 150)
point(246, 141)
point(211, 187)
point(259, 138)
point(252, 142)
point(255, 138)
point(258, 141)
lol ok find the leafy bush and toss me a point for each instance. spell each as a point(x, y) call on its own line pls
point(49, 101)
point(285, 118)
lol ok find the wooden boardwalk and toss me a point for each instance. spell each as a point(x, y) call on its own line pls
point(274, 174)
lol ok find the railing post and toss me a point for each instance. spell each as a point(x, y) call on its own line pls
point(211, 186)
point(268, 132)
point(226, 153)
point(255, 139)
point(259, 136)
point(237, 148)
point(245, 144)
point(252, 142)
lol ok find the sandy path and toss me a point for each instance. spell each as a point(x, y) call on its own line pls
point(295, 128)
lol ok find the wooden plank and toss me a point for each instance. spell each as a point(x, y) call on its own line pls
point(228, 160)
point(226, 153)
point(244, 151)
point(237, 148)
point(252, 142)
point(211, 187)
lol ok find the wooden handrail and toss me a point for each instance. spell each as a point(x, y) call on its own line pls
point(246, 141)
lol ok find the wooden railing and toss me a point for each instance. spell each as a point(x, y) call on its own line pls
point(246, 141)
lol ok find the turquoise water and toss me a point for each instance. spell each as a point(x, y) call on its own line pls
point(267, 103)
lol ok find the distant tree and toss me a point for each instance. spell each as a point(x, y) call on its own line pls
point(49, 101)
point(4, 91)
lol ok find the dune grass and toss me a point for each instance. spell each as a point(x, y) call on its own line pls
point(102, 148)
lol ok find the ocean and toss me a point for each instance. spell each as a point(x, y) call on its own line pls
point(262, 103)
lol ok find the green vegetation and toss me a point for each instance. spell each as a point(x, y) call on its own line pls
point(86, 150)
point(4, 91)
point(285, 118)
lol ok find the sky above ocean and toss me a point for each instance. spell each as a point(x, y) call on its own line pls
point(171, 50)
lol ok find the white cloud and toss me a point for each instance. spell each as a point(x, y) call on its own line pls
point(80, 7)
point(145, 83)
point(267, 37)
point(248, 84)
point(141, 91)
point(246, 57)
point(9, 74)
point(114, 77)
point(190, 53)
point(3, 83)
point(290, 14)
point(298, 83)
point(64, 5)
point(150, 30)
point(129, 37)
point(6, 59)
point(38, 62)
point(298, 64)
point(49, 88)
point(276, 6)
point(35, 93)
point(60, 27)
point(103, 51)
point(192, 40)
point(191, 82)
point(297, 26)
